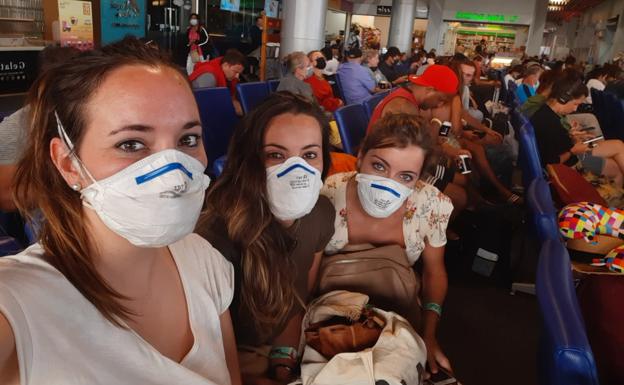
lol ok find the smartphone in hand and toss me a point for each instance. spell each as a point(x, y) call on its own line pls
point(591, 143)
point(442, 377)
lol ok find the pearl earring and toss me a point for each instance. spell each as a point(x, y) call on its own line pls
point(76, 187)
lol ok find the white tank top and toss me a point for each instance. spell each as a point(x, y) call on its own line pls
point(62, 339)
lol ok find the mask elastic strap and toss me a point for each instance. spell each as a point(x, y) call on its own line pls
point(65, 138)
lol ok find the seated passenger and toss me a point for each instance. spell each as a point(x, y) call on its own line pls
point(429, 60)
point(535, 102)
point(530, 82)
point(265, 215)
point(469, 139)
point(221, 72)
point(558, 145)
point(597, 80)
point(386, 203)
point(299, 69)
point(13, 128)
point(371, 61)
point(514, 74)
point(331, 56)
point(320, 87)
point(117, 290)
point(357, 85)
point(389, 66)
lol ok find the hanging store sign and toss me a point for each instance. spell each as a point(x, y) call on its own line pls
point(121, 18)
point(384, 10)
point(487, 17)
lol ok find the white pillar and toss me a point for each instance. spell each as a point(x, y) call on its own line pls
point(347, 31)
point(303, 25)
point(536, 30)
point(402, 24)
point(435, 23)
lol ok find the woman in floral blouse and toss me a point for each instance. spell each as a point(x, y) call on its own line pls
point(386, 203)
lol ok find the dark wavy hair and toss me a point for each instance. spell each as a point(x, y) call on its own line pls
point(239, 199)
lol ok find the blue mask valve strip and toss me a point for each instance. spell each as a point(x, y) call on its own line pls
point(388, 189)
point(163, 170)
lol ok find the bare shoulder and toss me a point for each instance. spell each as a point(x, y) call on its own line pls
point(400, 105)
point(9, 371)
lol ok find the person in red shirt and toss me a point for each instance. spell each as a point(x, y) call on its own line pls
point(320, 87)
point(220, 72)
point(434, 88)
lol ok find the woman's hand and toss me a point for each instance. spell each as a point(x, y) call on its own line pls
point(493, 136)
point(579, 148)
point(435, 357)
point(579, 136)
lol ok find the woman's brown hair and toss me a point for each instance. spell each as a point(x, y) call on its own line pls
point(401, 131)
point(39, 187)
point(239, 200)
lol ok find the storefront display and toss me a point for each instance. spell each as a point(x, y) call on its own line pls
point(18, 68)
point(76, 24)
point(479, 38)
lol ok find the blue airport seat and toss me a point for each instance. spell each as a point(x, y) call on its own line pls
point(372, 102)
point(615, 117)
point(543, 211)
point(4, 114)
point(565, 356)
point(252, 94)
point(33, 228)
point(273, 84)
point(600, 110)
point(218, 120)
point(218, 166)
point(352, 123)
point(340, 89)
point(512, 88)
point(529, 158)
point(9, 246)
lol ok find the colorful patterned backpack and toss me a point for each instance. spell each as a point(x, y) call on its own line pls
point(585, 220)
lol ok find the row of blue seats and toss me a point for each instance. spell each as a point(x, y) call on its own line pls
point(564, 356)
point(609, 111)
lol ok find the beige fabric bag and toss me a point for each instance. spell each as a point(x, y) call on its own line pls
point(397, 358)
point(382, 273)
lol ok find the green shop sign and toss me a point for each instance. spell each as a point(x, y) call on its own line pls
point(486, 33)
point(487, 17)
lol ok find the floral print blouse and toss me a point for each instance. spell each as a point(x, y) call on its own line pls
point(426, 218)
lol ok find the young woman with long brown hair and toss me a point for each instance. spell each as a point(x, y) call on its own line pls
point(117, 290)
point(265, 215)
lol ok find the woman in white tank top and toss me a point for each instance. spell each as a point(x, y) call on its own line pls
point(117, 290)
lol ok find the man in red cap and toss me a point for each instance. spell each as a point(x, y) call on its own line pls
point(435, 87)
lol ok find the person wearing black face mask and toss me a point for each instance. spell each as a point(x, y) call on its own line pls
point(387, 66)
point(321, 88)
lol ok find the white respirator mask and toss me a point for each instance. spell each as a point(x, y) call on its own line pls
point(154, 202)
point(293, 188)
point(380, 197)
